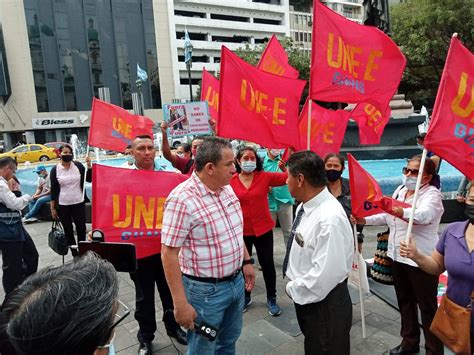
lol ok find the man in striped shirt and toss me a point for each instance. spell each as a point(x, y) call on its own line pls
point(203, 250)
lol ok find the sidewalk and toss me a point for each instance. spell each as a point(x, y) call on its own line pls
point(262, 333)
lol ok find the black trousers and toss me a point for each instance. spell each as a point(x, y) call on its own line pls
point(20, 260)
point(77, 214)
point(416, 288)
point(150, 272)
point(264, 247)
point(326, 325)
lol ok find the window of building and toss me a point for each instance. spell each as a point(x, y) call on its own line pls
point(267, 21)
point(189, 13)
point(229, 18)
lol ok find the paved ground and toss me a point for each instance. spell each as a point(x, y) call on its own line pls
point(262, 333)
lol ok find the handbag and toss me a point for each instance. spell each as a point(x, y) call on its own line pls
point(381, 270)
point(452, 325)
point(57, 239)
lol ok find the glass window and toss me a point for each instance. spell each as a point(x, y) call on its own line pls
point(21, 149)
point(35, 148)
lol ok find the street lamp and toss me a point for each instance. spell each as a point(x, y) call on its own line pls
point(188, 59)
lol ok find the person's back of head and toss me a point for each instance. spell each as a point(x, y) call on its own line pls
point(65, 310)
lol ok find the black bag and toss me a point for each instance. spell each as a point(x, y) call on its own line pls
point(381, 270)
point(57, 239)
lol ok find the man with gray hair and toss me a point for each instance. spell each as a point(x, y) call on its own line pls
point(204, 252)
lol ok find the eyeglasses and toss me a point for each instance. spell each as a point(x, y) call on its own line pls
point(120, 314)
point(413, 172)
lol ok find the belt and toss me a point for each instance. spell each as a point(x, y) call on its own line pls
point(214, 280)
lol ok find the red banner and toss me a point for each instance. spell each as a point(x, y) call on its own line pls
point(210, 93)
point(114, 128)
point(128, 208)
point(366, 195)
point(257, 106)
point(371, 122)
point(327, 129)
point(352, 63)
point(451, 130)
point(274, 60)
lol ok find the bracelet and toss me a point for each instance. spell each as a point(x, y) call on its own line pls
point(248, 262)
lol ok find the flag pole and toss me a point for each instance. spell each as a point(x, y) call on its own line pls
point(85, 176)
point(308, 139)
point(359, 270)
point(415, 196)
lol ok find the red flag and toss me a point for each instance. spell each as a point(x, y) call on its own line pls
point(274, 60)
point(351, 62)
point(210, 93)
point(131, 213)
point(451, 131)
point(366, 195)
point(114, 128)
point(257, 106)
point(371, 122)
point(327, 129)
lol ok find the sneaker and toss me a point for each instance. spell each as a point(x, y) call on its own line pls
point(30, 219)
point(248, 302)
point(273, 308)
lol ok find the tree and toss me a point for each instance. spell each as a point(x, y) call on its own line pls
point(423, 30)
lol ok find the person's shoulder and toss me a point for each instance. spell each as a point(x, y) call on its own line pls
point(456, 228)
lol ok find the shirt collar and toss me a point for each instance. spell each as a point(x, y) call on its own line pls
point(460, 232)
point(202, 189)
point(310, 205)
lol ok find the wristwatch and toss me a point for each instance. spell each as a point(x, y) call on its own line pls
point(250, 261)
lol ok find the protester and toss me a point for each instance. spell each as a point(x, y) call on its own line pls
point(185, 165)
point(184, 151)
point(19, 254)
point(413, 286)
point(67, 196)
point(279, 199)
point(251, 185)
point(41, 196)
point(129, 160)
point(150, 272)
point(318, 259)
point(454, 253)
point(71, 309)
point(203, 250)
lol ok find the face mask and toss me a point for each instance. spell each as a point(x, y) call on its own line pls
point(333, 175)
point(180, 155)
point(275, 152)
point(248, 166)
point(66, 158)
point(130, 159)
point(409, 182)
point(420, 146)
point(469, 212)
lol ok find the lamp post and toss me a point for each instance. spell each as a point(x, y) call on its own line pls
point(188, 55)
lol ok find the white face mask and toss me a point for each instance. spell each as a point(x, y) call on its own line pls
point(248, 166)
point(409, 182)
point(109, 346)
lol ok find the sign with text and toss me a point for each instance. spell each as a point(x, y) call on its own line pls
point(191, 118)
point(55, 122)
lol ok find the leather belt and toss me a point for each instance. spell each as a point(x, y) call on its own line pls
point(214, 280)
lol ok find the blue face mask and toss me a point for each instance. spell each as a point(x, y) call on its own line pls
point(109, 346)
point(248, 166)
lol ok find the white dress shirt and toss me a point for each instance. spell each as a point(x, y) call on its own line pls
point(322, 250)
point(428, 214)
point(9, 199)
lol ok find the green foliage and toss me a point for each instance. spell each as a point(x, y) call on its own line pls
point(423, 30)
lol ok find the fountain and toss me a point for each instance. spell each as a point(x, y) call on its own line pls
point(73, 141)
point(97, 155)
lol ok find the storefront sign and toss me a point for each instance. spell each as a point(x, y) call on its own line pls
point(56, 122)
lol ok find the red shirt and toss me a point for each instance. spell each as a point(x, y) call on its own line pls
point(254, 200)
point(181, 165)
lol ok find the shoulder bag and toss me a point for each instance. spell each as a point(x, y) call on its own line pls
point(57, 239)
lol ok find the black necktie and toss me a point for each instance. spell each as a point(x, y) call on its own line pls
point(290, 239)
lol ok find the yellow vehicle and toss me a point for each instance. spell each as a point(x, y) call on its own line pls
point(31, 153)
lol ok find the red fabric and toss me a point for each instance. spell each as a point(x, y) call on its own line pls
point(327, 129)
point(181, 165)
point(371, 122)
point(274, 60)
point(210, 93)
point(451, 131)
point(257, 106)
point(254, 201)
point(352, 63)
point(366, 196)
point(115, 205)
point(114, 128)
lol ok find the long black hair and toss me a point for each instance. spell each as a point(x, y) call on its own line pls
point(241, 152)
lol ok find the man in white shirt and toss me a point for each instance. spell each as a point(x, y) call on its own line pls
point(318, 259)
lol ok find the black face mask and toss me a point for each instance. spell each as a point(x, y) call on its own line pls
point(66, 158)
point(469, 212)
point(333, 175)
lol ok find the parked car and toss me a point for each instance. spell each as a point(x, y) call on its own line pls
point(31, 153)
point(55, 145)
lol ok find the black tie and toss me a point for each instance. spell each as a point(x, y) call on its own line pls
point(290, 239)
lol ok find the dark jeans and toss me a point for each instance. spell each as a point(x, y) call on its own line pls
point(20, 260)
point(416, 288)
point(150, 272)
point(77, 214)
point(264, 247)
point(326, 325)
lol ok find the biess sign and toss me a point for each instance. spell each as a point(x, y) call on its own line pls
point(61, 122)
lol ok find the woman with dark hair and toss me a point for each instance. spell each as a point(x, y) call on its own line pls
point(67, 196)
point(413, 286)
point(251, 186)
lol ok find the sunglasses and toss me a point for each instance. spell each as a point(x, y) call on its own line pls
point(414, 172)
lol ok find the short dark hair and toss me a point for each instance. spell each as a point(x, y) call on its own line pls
point(310, 165)
point(210, 151)
point(64, 310)
point(63, 146)
point(186, 147)
point(7, 161)
point(340, 157)
point(128, 147)
point(141, 136)
point(241, 152)
point(428, 169)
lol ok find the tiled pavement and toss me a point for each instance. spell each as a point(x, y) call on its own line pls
point(262, 333)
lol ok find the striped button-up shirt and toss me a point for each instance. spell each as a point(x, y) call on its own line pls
point(207, 225)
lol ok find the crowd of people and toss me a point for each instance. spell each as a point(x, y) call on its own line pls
point(205, 273)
